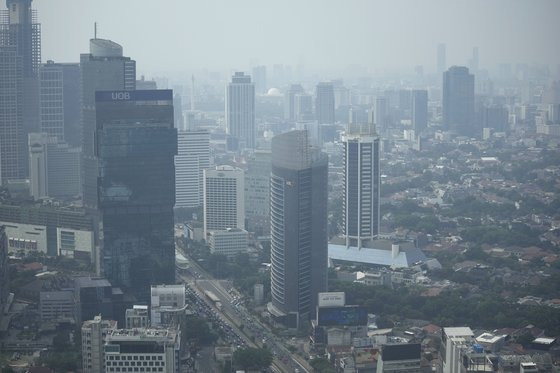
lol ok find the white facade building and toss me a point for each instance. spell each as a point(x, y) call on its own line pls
point(361, 184)
point(240, 110)
point(193, 157)
point(229, 242)
point(454, 342)
point(224, 200)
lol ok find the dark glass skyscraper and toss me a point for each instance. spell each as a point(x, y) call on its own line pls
point(103, 69)
point(20, 54)
point(298, 214)
point(136, 143)
point(458, 101)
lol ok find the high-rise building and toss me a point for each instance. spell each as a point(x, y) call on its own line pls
point(303, 107)
point(59, 101)
point(193, 157)
point(458, 101)
point(441, 64)
point(298, 224)
point(94, 333)
point(20, 55)
point(290, 112)
point(324, 103)
point(224, 199)
point(419, 110)
point(229, 242)
point(102, 69)
point(453, 342)
point(361, 184)
point(259, 77)
point(381, 114)
point(240, 110)
point(166, 301)
point(136, 143)
point(495, 117)
point(154, 350)
point(54, 169)
point(4, 273)
point(178, 112)
point(257, 192)
point(473, 62)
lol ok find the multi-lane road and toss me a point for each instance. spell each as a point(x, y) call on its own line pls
point(246, 326)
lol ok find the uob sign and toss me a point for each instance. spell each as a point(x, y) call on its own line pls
point(120, 96)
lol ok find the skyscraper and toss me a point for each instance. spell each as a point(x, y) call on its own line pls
point(54, 168)
point(193, 157)
point(4, 270)
point(103, 69)
point(324, 103)
point(419, 110)
point(380, 113)
point(303, 107)
point(240, 110)
point(257, 192)
point(259, 77)
point(20, 54)
point(441, 64)
point(136, 143)
point(290, 101)
point(361, 184)
point(458, 101)
point(298, 224)
point(59, 101)
point(224, 199)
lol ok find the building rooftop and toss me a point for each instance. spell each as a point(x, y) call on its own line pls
point(91, 282)
point(458, 332)
point(406, 351)
point(143, 334)
point(379, 253)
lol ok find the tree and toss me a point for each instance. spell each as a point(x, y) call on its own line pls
point(322, 365)
point(252, 358)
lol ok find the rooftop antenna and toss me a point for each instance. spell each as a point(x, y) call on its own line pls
point(95, 30)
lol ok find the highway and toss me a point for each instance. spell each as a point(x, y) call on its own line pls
point(253, 332)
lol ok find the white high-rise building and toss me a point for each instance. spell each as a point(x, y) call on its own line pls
point(94, 333)
point(193, 157)
point(454, 342)
point(361, 184)
point(240, 110)
point(224, 198)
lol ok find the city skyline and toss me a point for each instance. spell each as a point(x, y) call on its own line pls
point(398, 34)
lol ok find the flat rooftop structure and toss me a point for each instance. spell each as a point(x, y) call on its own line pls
point(379, 253)
point(91, 282)
point(464, 331)
point(143, 334)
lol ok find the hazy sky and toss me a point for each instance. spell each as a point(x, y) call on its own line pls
point(171, 35)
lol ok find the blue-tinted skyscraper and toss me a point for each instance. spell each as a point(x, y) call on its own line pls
point(136, 143)
point(458, 101)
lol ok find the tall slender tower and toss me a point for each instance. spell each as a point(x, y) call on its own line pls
point(240, 110)
point(361, 184)
point(20, 55)
point(419, 110)
point(298, 225)
point(193, 157)
point(103, 69)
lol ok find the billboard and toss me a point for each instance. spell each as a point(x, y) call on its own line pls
point(332, 299)
point(342, 316)
point(142, 95)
